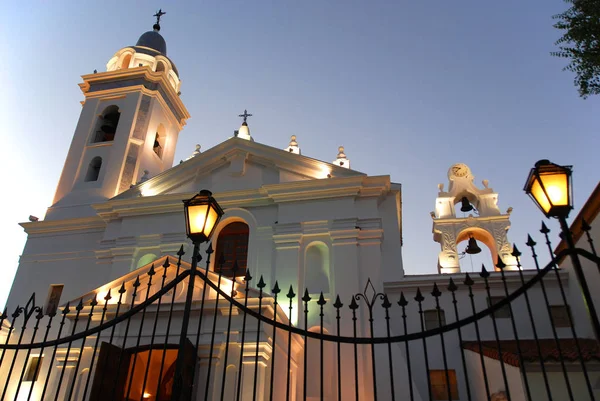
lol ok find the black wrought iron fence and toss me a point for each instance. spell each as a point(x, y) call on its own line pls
point(515, 335)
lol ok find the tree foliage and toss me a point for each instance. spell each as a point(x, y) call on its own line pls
point(580, 43)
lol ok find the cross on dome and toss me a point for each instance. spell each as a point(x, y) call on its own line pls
point(158, 14)
point(245, 115)
point(244, 131)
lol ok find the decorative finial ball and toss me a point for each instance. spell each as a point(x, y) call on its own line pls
point(293, 137)
point(156, 27)
point(341, 149)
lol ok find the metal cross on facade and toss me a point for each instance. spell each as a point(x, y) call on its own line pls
point(159, 14)
point(245, 115)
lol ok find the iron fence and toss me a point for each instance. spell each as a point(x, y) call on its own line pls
point(515, 335)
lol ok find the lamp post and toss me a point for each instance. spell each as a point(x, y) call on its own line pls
point(550, 187)
point(202, 214)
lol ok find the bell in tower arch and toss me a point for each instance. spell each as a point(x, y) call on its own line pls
point(466, 205)
point(109, 125)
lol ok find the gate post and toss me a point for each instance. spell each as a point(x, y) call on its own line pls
point(178, 379)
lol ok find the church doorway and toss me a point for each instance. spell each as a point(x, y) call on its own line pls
point(142, 373)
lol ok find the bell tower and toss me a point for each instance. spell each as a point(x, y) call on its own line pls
point(130, 121)
point(484, 223)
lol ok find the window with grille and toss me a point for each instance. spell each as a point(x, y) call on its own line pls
point(560, 315)
point(232, 244)
point(442, 386)
point(502, 313)
point(432, 318)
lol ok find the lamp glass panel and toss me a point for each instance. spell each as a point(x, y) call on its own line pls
point(540, 196)
point(557, 188)
point(210, 221)
point(197, 216)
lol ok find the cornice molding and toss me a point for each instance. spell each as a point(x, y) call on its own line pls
point(135, 73)
point(85, 224)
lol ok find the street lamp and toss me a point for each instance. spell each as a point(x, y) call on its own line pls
point(550, 187)
point(202, 214)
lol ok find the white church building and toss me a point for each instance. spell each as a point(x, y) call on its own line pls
point(116, 226)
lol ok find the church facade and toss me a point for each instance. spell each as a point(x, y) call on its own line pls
point(115, 236)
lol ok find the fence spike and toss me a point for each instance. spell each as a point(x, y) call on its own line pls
point(136, 283)
point(321, 300)
point(515, 252)
point(79, 305)
point(452, 286)
point(338, 303)
point(276, 289)
point(436, 291)
point(209, 250)
point(500, 263)
point(151, 272)
point(180, 252)
point(261, 283)
point(530, 242)
point(66, 309)
point(94, 301)
point(122, 290)
point(468, 280)
point(290, 293)
point(353, 305)
point(544, 230)
point(235, 267)
point(386, 302)
point(4, 314)
point(484, 273)
point(585, 226)
point(17, 312)
point(402, 301)
point(167, 264)
point(247, 276)
point(306, 297)
point(419, 297)
point(108, 296)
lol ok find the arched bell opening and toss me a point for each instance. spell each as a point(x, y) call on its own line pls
point(465, 204)
point(106, 127)
point(475, 247)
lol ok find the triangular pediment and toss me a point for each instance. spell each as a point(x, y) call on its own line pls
point(237, 165)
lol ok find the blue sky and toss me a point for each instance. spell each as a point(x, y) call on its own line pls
point(408, 88)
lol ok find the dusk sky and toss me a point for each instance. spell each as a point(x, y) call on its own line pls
point(407, 87)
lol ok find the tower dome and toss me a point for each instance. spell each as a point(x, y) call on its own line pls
point(153, 40)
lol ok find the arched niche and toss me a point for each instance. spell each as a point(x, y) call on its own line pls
point(145, 259)
point(317, 268)
point(126, 61)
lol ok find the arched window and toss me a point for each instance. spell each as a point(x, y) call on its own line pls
point(232, 243)
point(107, 124)
point(316, 268)
point(126, 61)
point(160, 66)
point(159, 139)
point(93, 169)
